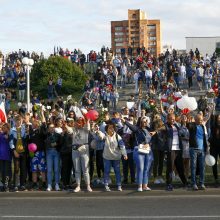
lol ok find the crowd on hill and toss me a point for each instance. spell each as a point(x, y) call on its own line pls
point(59, 141)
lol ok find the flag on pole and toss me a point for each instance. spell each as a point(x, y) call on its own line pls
point(3, 117)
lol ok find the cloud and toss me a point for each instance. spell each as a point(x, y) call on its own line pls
point(85, 24)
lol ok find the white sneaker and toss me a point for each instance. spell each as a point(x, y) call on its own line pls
point(140, 189)
point(107, 189)
point(157, 181)
point(49, 188)
point(57, 188)
point(77, 189)
point(147, 189)
point(119, 188)
point(89, 189)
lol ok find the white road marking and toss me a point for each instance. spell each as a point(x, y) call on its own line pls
point(111, 197)
point(113, 217)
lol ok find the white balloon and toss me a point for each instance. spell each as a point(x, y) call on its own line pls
point(187, 102)
point(209, 160)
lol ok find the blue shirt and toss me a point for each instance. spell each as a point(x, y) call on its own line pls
point(200, 137)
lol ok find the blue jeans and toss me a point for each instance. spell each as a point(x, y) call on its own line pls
point(107, 168)
point(177, 81)
point(199, 155)
point(208, 84)
point(53, 165)
point(143, 164)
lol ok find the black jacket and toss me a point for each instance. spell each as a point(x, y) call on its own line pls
point(165, 136)
point(38, 136)
point(66, 146)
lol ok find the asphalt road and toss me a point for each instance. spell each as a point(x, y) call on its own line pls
point(129, 204)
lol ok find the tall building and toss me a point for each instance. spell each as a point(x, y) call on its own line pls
point(136, 32)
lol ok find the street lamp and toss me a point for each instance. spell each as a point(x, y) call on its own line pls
point(28, 63)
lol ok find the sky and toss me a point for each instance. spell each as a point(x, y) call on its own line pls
point(39, 25)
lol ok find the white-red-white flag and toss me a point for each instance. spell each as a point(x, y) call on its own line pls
point(3, 117)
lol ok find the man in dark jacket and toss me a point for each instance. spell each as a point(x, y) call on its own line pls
point(173, 147)
point(197, 148)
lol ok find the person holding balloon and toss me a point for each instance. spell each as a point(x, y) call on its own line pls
point(36, 147)
point(80, 151)
point(198, 147)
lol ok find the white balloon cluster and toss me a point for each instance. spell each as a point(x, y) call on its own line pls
point(187, 102)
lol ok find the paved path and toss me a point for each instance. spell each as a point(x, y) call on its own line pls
point(157, 204)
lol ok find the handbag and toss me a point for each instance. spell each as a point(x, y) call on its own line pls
point(144, 148)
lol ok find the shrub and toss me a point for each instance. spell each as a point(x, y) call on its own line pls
point(53, 67)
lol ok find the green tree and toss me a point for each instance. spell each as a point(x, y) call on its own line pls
point(53, 67)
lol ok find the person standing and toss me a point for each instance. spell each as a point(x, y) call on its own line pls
point(21, 88)
point(189, 74)
point(17, 142)
point(214, 144)
point(114, 149)
point(80, 152)
point(53, 144)
point(208, 77)
point(173, 147)
point(5, 156)
point(143, 161)
point(37, 134)
point(198, 147)
point(148, 76)
point(184, 135)
point(200, 75)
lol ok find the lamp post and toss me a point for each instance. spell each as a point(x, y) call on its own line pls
point(28, 63)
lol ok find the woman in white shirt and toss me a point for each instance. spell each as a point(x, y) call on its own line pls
point(114, 148)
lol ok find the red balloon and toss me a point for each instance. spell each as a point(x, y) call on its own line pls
point(185, 111)
point(92, 115)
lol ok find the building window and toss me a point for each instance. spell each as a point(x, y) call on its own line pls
point(152, 38)
point(118, 28)
point(118, 39)
point(118, 44)
point(119, 33)
point(152, 33)
point(151, 27)
point(152, 43)
point(134, 38)
point(134, 16)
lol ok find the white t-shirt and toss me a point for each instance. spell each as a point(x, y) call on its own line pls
point(175, 143)
point(148, 74)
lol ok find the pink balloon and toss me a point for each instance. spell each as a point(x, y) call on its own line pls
point(32, 147)
point(92, 115)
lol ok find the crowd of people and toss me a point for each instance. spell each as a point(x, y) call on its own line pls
point(149, 131)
